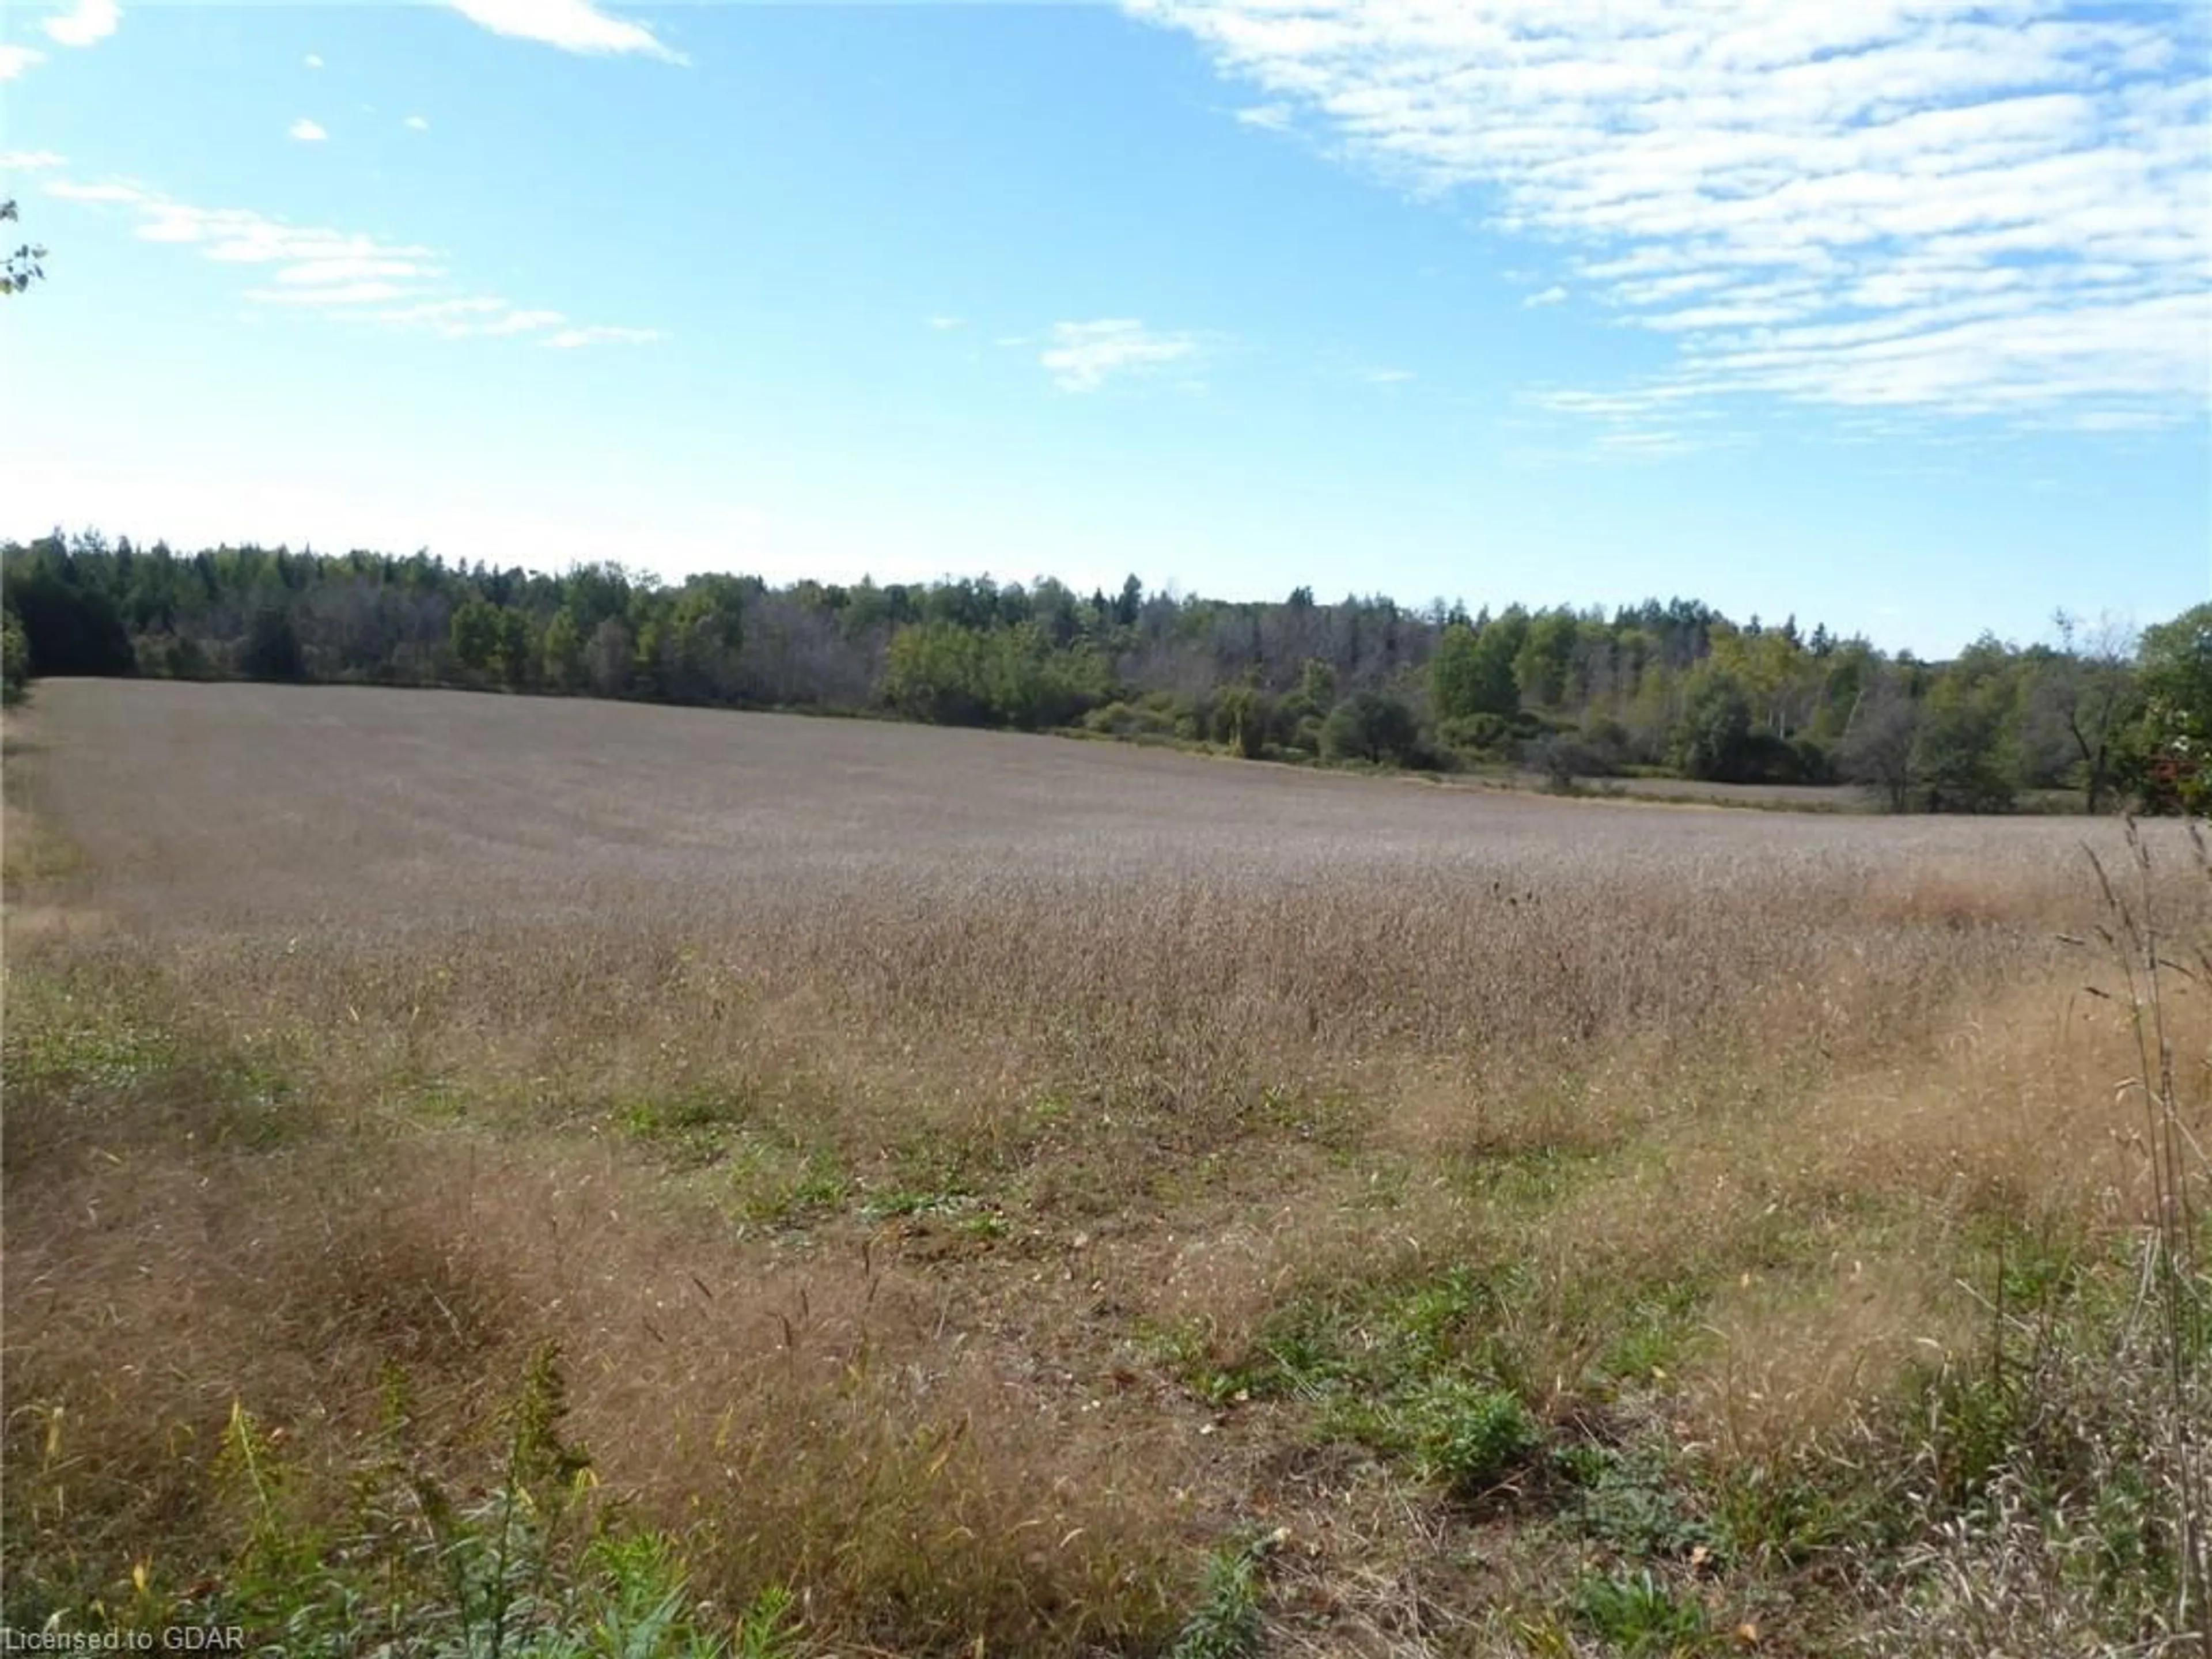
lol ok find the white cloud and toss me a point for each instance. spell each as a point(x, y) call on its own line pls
point(30, 160)
point(14, 60)
point(569, 338)
point(1085, 356)
point(313, 61)
point(322, 272)
point(347, 294)
point(343, 274)
point(1997, 209)
point(1269, 118)
point(1550, 297)
point(418, 123)
point(67, 191)
point(1386, 376)
point(440, 311)
point(307, 131)
point(86, 23)
point(480, 316)
point(942, 324)
point(572, 25)
point(526, 322)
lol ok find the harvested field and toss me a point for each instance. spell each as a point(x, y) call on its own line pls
point(976, 1182)
point(363, 807)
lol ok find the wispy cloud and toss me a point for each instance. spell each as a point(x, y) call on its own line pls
point(1386, 376)
point(1269, 118)
point(317, 273)
point(343, 274)
point(313, 61)
point(529, 322)
point(477, 315)
point(2001, 210)
point(1550, 297)
point(14, 60)
point(1085, 356)
point(307, 131)
point(85, 24)
point(344, 294)
point(30, 160)
point(944, 323)
point(68, 190)
point(572, 25)
point(417, 123)
point(569, 338)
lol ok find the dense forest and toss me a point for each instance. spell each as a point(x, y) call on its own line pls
point(2102, 718)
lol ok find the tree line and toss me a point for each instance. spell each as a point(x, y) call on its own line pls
point(1672, 688)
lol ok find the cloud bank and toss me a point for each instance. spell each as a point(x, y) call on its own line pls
point(1930, 206)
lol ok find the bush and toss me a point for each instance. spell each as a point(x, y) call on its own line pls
point(15, 661)
point(1483, 733)
point(272, 649)
point(1240, 718)
point(1764, 758)
point(1712, 739)
point(1471, 675)
point(184, 657)
point(1122, 719)
point(949, 675)
point(1469, 1437)
point(1814, 763)
point(68, 628)
point(1608, 742)
point(1370, 725)
point(1562, 758)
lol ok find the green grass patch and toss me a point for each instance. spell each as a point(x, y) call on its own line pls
point(107, 1063)
point(1640, 1617)
point(690, 1127)
point(774, 1183)
point(1227, 1622)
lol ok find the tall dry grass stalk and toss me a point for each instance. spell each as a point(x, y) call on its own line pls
point(2175, 1280)
point(866, 1176)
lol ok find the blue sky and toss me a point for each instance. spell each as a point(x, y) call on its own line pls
point(1895, 315)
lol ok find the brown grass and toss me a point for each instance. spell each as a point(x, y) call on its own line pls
point(859, 1104)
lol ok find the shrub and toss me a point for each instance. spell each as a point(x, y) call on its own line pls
point(1241, 717)
point(1609, 742)
point(1372, 727)
point(68, 628)
point(183, 659)
point(1712, 739)
point(272, 650)
point(1226, 1624)
point(1814, 763)
point(1562, 758)
point(1481, 732)
point(15, 661)
point(1471, 675)
point(1636, 1614)
point(1122, 719)
point(1468, 1437)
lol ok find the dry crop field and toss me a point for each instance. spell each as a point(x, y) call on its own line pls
point(969, 1193)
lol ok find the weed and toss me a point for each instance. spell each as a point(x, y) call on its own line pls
point(1226, 1624)
point(1636, 1498)
point(1639, 1616)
